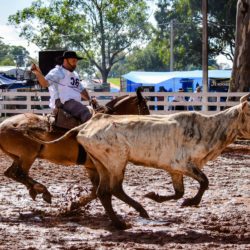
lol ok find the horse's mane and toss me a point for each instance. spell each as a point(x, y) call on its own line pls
point(127, 104)
point(111, 103)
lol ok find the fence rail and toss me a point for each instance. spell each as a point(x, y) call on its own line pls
point(159, 102)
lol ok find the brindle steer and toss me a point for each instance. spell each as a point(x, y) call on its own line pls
point(24, 151)
point(180, 144)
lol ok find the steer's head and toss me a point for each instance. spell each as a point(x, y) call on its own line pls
point(244, 126)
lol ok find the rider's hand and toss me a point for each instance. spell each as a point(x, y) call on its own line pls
point(93, 100)
point(35, 69)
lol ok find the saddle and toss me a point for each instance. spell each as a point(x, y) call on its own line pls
point(64, 120)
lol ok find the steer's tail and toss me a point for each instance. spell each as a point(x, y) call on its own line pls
point(72, 132)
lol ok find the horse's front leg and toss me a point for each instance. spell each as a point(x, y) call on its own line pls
point(17, 173)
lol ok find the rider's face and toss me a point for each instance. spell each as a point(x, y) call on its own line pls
point(71, 63)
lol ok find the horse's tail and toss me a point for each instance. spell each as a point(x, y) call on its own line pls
point(68, 134)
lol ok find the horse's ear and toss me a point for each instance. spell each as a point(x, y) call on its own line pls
point(138, 93)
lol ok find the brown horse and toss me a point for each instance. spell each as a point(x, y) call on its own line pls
point(24, 151)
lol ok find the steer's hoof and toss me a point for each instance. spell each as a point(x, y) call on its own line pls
point(144, 214)
point(121, 225)
point(73, 206)
point(151, 195)
point(47, 197)
point(190, 202)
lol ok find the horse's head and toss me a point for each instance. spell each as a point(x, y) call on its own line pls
point(128, 105)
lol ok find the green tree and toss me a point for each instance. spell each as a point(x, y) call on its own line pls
point(149, 58)
point(187, 19)
point(20, 55)
point(102, 29)
point(12, 55)
point(221, 25)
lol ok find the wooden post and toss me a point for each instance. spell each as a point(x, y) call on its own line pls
point(172, 46)
point(204, 50)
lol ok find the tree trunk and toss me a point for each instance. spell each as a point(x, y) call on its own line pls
point(240, 81)
point(105, 85)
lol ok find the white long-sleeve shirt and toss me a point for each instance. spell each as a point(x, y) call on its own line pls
point(63, 84)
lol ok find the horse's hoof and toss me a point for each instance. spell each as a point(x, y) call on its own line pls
point(47, 197)
point(33, 194)
point(40, 188)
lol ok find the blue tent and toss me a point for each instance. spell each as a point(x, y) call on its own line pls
point(12, 83)
point(171, 81)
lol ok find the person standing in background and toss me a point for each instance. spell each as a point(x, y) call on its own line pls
point(180, 99)
point(197, 99)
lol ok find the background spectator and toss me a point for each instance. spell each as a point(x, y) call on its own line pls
point(180, 99)
point(196, 99)
point(161, 98)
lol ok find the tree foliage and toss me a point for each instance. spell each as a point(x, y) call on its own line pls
point(149, 58)
point(102, 29)
point(12, 55)
point(187, 25)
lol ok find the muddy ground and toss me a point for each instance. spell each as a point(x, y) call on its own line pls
point(222, 221)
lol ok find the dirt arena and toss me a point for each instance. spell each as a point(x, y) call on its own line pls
point(222, 221)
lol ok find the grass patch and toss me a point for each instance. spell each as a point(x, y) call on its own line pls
point(115, 81)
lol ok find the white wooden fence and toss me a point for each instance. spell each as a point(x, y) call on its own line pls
point(37, 102)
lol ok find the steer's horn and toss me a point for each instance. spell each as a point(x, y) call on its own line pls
point(244, 98)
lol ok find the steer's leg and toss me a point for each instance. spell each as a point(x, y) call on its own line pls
point(195, 173)
point(118, 191)
point(105, 195)
point(178, 188)
point(18, 171)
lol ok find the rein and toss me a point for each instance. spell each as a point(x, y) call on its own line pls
point(111, 109)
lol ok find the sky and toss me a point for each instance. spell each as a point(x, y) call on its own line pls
point(10, 34)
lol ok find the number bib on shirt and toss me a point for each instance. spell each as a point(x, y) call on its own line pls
point(70, 87)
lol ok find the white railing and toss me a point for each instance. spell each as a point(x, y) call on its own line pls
point(37, 102)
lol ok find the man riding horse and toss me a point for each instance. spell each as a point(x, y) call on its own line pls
point(23, 151)
point(65, 88)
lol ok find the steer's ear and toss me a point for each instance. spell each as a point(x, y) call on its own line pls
point(244, 106)
point(244, 98)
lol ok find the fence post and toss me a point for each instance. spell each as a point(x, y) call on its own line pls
point(29, 103)
point(204, 50)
